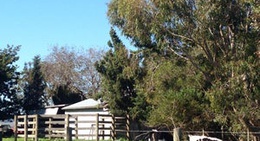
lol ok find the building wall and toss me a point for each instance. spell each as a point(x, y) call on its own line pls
point(88, 121)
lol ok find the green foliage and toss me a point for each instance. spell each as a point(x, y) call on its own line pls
point(218, 41)
point(9, 101)
point(120, 71)
point(141, 109)
point(34, 86)
point(64, 95)
point(173, 87)
point(184, 109)
point(235, 99)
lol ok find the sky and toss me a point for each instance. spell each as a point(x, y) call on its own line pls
point(38, 25)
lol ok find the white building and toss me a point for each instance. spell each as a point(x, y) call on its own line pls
point(201, 138)
point(84, 116)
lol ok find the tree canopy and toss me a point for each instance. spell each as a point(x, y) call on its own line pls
point(33, 87)
point(9, 99)
point(196, 66)
point(119, 71)
point(71, 75)
point(218, 41)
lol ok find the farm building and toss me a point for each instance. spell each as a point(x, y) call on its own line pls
point(87, 113)
point(49, 110)
point(87, 119)
point(202, 138)
point(88, 106)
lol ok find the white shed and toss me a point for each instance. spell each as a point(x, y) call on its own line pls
point(86, 112)
point(200, 138)
point(88, 106)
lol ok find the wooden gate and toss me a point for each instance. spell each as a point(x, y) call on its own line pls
point(87, 126)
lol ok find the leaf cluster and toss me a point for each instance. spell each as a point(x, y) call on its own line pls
point(201, 60)
point(9, 99)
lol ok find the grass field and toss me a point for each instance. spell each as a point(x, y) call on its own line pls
point(42, 139)
point(22, 139)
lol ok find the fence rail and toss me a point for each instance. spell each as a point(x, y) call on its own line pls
point(92, 126)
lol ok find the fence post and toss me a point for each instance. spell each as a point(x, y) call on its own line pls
point(177, 134)
point(25, 127)
point(36, 126)
point(67, 128)
point(50, 126)
point(15, 127)
point(1, 130)
point(222, 132)
point(248, 139)
point(127, 127)
point(113, 128)
point(76, 127)
point(97, 126)
point(103, 130)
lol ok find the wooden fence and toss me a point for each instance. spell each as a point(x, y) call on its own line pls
point(87, 126)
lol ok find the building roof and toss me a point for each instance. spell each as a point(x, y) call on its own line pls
point(85, 104)
point(198, 138)
point(56, 106)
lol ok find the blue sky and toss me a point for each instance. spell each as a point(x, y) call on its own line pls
point(38, 25)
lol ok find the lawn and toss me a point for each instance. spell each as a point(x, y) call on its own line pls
point(30, 139)
point(42, 139)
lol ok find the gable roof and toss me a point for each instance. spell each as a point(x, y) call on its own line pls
point(85, 104)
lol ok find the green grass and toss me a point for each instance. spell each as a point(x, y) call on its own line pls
point(43, 139)
point(29, 139)
point(40, 139)
point(12, 139)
